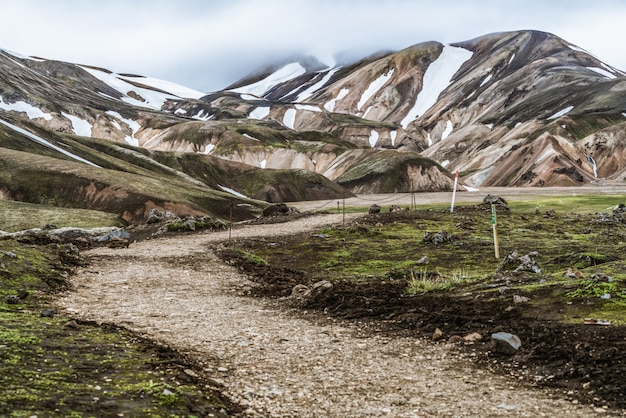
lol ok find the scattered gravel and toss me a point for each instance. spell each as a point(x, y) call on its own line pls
point(279, 363)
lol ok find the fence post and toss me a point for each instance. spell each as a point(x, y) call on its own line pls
point(494, 224)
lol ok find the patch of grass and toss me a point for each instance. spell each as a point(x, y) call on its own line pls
point(585, 204)
point(17, 216)
point(421, 281)
point(595, 288)
point(252, 257)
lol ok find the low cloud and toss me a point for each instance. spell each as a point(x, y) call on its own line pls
point(209, 45)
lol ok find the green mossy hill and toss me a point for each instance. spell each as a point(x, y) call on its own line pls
point(288, 186)
point(43, 180)
point(383, 171)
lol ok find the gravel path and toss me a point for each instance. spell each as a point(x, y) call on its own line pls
point(278, 364)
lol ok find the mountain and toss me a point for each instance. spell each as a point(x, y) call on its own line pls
point(521, 108)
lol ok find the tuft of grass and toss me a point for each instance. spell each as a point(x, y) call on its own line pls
point(421, 281)
point(252, 257)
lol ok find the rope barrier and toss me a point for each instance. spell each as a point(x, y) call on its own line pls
point(387, 199)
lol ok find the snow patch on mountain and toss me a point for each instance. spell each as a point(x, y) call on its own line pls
point(330, 105)
point(373, 138)
point(286, 73)
point(23, 107)
point(20, 56)
point(486, 80)
point(48, 144)
point(603, 72)
point(447, 131)
point(133, 125)
point(393, 135)
point(250, 97)
point(374, 87)
point(310, 108)
point(233, 192)
point(259, 112)
point(511, 59)
point(208, 148)
point(203, 115)
point(289, 120)
point(79, 126)
point(561, 112)
point(315, 87)
point(250, 137)
point(151, 99)
point(164, 85)
point(436, 79)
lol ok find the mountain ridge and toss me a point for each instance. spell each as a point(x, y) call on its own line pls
point(522, 108)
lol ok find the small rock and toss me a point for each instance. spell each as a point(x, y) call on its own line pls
point(507, 407)
point(574, 274)
point(12, 300)
point(190, 372)
point(473, 337)
point(437, 334)
point(71, 324)
point(167, 392)
point(455, 339)
point(517, 299)
point(505, 343)
point(586, 385)
point(47, 313)
point(423, 260)
point(374, 209)
point(222, 369)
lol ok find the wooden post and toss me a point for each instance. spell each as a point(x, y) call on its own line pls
point(494, 223)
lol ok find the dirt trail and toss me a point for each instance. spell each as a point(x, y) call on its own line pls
point(278, 364)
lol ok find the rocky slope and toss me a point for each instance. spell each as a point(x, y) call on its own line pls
point(507, 109)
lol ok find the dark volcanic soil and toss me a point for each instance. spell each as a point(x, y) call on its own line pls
point(587, 362)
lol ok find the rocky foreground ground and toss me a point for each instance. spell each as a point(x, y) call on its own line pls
point(277, 362)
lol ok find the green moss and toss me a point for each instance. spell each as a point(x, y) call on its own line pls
point(48, 368)
point(394, 250)
point(254, 258)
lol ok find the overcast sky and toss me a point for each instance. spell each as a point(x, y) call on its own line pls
point(209, 44)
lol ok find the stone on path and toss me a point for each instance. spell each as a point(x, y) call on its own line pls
point(505, 343)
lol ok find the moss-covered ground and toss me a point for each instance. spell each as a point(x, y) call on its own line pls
point(417, 270)
point(573, 249)
point(51, 366)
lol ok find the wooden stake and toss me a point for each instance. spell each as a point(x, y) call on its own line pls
point(494, 223)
